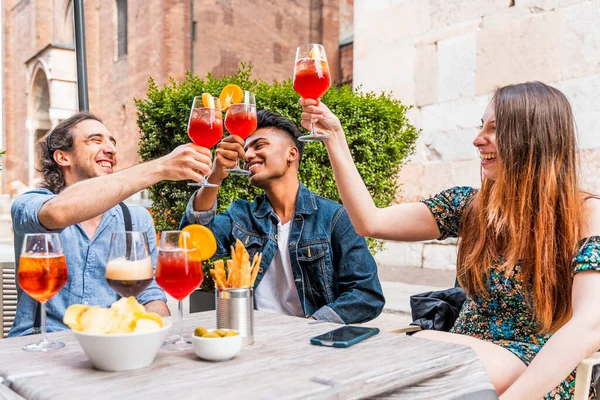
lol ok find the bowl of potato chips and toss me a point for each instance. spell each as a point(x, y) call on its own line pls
point(216, 344)
point(119, 338)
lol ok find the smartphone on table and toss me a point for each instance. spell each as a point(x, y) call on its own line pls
point(345, 336)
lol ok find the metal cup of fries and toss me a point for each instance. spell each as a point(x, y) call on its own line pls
point(235, 310)
point(234, 291)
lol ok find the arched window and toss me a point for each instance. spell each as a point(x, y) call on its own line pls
point(121, 28)
point(38, 120)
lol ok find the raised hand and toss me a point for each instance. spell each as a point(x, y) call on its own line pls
point(324, 120)
point(229, 150)
point(188, 161)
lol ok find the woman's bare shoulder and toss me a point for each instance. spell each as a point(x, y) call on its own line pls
point(592, 215)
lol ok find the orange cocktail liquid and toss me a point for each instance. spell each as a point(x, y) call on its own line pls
point(41, 276)
point(205, 127)
point(311, 79)
point(241, 120)
point(177, 273)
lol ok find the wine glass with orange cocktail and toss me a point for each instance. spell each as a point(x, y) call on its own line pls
point(205, 126)
point(42, 273)
point(311, 80)
point(179, 268)
point(240, 119)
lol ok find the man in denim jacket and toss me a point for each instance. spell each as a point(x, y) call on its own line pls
point(78, 198)
point(314, 263)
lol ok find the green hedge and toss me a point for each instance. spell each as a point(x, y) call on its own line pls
point(379, 135)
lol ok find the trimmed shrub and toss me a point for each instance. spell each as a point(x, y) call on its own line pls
point(378, 133)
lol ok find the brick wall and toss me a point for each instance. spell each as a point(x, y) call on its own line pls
point(346, 63)
point(159, 45)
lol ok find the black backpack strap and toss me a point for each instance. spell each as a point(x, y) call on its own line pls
point(126, 216)
point(128, 225)
point(37, 320)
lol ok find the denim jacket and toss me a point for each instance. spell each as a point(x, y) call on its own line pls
point(335, 274)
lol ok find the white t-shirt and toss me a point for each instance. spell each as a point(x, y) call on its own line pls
point(276, 292)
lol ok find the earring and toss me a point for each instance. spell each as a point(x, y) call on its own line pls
point(289, 162)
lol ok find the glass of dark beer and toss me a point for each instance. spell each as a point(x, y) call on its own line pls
point(129, 268)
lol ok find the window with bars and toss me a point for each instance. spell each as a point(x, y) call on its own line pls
point(121, 28)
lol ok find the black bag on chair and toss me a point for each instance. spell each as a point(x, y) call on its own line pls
point(437, 310)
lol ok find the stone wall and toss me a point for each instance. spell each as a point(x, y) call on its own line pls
point(445, 57)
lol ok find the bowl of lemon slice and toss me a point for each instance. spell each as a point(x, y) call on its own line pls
point(122, 337)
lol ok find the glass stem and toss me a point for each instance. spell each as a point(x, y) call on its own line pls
point(181, 320)
point(43, 323)
point(312, 128)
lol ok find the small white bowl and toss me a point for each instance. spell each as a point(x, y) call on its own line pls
point(122, 351)
point(217, 349)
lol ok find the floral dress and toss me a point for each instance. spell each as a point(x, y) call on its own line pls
point(505, 318)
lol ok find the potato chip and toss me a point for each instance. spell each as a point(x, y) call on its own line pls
point(123, 323)
point(123, 316)
point(73, 315)
point(146, 325)
point(97, 320)
point(129, 305)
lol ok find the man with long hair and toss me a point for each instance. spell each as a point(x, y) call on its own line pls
point(79, 198)
point(314, 265)
point(529, 249)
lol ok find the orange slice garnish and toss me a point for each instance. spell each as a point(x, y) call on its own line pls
point(231, 94)
point(201, 240)
point(312, 54)
point(206, 100)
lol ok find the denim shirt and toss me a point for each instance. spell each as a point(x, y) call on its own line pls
point(335, 274)
point(86, 260)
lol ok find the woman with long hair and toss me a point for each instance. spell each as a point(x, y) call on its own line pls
point(529, 240)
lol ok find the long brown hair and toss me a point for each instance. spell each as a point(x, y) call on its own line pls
point(59, 138)
point(532, 214)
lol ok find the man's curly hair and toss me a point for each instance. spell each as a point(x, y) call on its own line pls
point(59, 138)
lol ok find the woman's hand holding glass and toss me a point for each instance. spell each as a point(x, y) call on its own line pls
point(317, 115)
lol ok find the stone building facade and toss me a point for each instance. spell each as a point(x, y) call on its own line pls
point(446, 57)
point(130, 41)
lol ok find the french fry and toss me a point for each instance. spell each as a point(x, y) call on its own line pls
point(230, 273)
point(217, 278)
point(255, 270)
point(240, 272)
point(233, 256)
point(245, 270)
point(237, 276)
point(220, 271)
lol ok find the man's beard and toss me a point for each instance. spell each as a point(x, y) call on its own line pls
point(263, 183)
point(84, 172)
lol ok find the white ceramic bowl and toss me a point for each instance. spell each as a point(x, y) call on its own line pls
point(217, 349)
point(122, 351)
